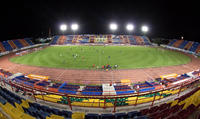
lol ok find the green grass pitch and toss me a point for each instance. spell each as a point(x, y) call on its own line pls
point(83, 57)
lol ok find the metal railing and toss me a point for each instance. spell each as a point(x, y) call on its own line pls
point(104, 101)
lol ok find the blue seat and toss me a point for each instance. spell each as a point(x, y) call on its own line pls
point(140, 117)
point(55, 111)
point(107, 116)
point(25, 110)
point(42, 114)
point(2, 101)
point(92, 116)
point(121, 116)
point(133, 114)
point(67, 114)
point(33, 111)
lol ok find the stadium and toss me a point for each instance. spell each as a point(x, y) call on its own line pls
point(68, 59)
point(99, 77)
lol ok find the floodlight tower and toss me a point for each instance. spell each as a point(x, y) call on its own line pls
point(63, 28)
point(113, 27)
point(129, 27)
point(145, 29)
point(182, 37)
point(74, 27)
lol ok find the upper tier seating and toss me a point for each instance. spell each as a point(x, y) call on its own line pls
point(172, 42)
point(7, 46)
point(15, 44)
point(186, 45)
point(116, 39)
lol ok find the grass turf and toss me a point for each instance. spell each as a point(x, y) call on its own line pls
point(125, 57)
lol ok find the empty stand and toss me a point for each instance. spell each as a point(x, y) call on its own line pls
point(172, 42)
point(139, 40)
point(61, 40)
point(54, 41)
point(7, 46)
point(2, 49)
point(183, 44)
point(194, 47)
point(18, 44)
point(12, 44)
point(102, 39)
point(188, 45)
point(123, 89)
point(177, 43)
point(28, 40)
point(198, 49)
point(92, 90)
point(23, 42)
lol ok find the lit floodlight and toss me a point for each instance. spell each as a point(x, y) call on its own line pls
point(113, 26)
point(182, 37)
point(74, 27)
point(145, 29)
point(63, 27)
point(129, 27)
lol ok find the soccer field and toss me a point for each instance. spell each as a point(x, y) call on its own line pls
point(83, 57)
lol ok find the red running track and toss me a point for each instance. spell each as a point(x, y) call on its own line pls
point(98, 77)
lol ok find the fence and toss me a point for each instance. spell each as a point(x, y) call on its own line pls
point(110, 101)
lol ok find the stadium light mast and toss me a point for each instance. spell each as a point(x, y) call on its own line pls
point(63, 28)
point(129, 27)
point(113, 27)
point(145, 29)
point(182, 37)
point(74, 27)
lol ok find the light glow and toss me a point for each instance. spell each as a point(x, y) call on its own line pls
point(145, 28)
point(63, 27)
point(129, 27)
point(113, 26)
point(74, 27)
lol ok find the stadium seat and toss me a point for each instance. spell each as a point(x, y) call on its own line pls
point(133, 114)
point(92, 116)
point(107, 116)
point(121, 116)
point(140, 117)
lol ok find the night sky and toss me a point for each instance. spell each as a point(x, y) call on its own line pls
point(165, 18)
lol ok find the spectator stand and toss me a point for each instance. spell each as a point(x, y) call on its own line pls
point(146, 86)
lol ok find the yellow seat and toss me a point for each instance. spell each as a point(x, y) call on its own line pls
point(109, 104)
point(132, 98)
point(88, 104)
point(2, 116)
point(19, 107)
point(26, 116)
point(101, 105)
point(95, 104)
point(91, 100)
point(25, 103)
point(53, 116)
point(145, 100)
point(51, 98)
point(96, 100)
point(14, 113)
point(78, 103)
point(78, 115)
point(130, 102)
point(175, 102)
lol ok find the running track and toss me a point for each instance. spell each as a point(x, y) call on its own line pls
point(98, 77)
